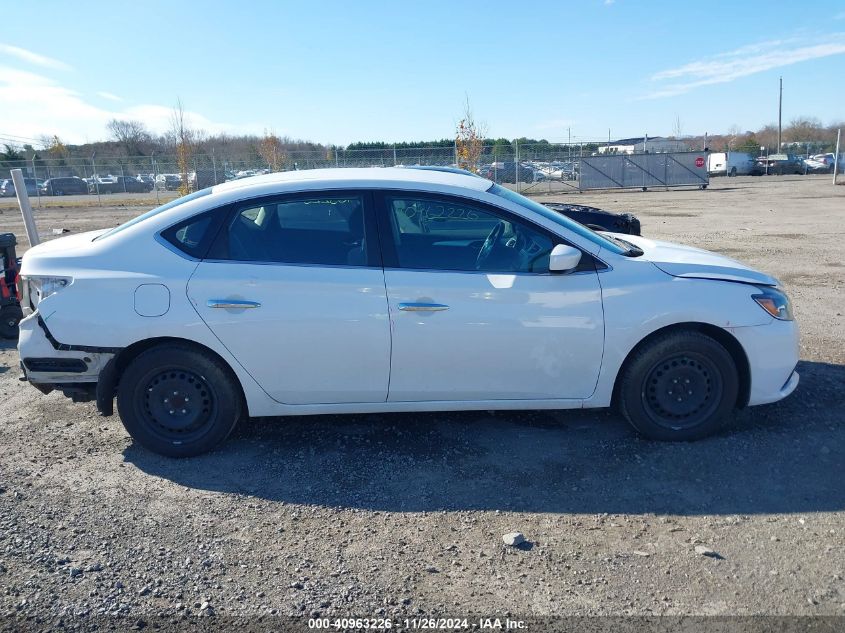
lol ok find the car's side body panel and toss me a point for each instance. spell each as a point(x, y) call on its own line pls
point(503, 336)
point(317, 334)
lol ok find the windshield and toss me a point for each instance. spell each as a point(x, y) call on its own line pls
point(156, 211)
point(576, 227)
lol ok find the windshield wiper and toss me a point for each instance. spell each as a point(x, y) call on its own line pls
point(630, 249)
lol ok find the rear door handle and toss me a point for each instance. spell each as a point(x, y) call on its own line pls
point(232, 304)
point(423, 307)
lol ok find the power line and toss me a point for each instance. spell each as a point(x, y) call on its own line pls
point(23, 138)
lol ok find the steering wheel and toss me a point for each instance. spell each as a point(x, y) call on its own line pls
point(489, 243)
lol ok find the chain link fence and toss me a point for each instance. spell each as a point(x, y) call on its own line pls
point(526, 167)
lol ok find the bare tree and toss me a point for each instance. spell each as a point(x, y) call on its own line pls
point(131, 134)
point(184, 138)
point(734, 133)
point(768, 136)
point(830, 130)
point(270, 149)
point(804, 130)
point(469, 140)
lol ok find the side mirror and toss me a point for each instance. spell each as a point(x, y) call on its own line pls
point(563, 258)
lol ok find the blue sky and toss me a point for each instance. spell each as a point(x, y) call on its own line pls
point(338, 72)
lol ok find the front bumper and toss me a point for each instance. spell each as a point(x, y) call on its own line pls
point(772, 352)
point(37, 348)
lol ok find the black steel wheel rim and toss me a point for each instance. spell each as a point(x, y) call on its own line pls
point(682, 391)
point(177, 404)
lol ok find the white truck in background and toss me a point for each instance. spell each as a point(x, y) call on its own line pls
point(730, 164)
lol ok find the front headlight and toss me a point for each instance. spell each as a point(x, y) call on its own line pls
point(39, 288)
point(775, 302)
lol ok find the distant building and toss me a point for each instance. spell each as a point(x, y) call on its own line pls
point(641, 144)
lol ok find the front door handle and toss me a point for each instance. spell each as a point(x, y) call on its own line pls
point(232, 304)
point(423, 307)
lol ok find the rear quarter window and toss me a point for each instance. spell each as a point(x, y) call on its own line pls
point(195, 235)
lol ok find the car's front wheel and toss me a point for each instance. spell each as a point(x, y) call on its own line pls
point(178, 401)
point(680, 386)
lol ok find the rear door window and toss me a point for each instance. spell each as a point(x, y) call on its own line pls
point(327, 229)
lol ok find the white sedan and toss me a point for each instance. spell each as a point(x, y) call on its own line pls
point(370, 290)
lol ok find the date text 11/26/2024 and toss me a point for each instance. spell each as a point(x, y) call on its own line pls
point(431, 624)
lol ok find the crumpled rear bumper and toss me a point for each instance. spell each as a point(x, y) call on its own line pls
point(45, 361)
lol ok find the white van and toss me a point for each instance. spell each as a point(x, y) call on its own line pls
point(730, 164)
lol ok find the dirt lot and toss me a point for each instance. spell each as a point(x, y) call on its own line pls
point(402, 515)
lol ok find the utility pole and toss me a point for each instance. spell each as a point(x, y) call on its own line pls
point(836, 155)
point(780, 111)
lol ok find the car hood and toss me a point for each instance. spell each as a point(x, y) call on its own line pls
point(686, 261)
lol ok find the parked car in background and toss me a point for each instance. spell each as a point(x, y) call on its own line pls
point(538, 175)
point(64, 186)
point(205, 178)
point(128, 184)
point(820, 163)
point(563, 170)
point(598, 219)
point(403, 290)
point(119, 184)
point(147, 179)
point(7, 187)
point(730, 164)
point(100, 184)
point(780, 164)
point(506, 171)
point(169, 182)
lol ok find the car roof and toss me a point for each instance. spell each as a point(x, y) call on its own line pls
point(393, 177)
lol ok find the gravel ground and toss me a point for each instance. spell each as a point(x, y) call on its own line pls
point(403, 515)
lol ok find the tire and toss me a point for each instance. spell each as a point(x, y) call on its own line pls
point(10, 316)
point(733, 172)
point(206, 407)
point(648, 394)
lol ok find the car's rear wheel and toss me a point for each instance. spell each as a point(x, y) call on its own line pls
point(733, 172)
point(178, 401)
point(680, 386)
